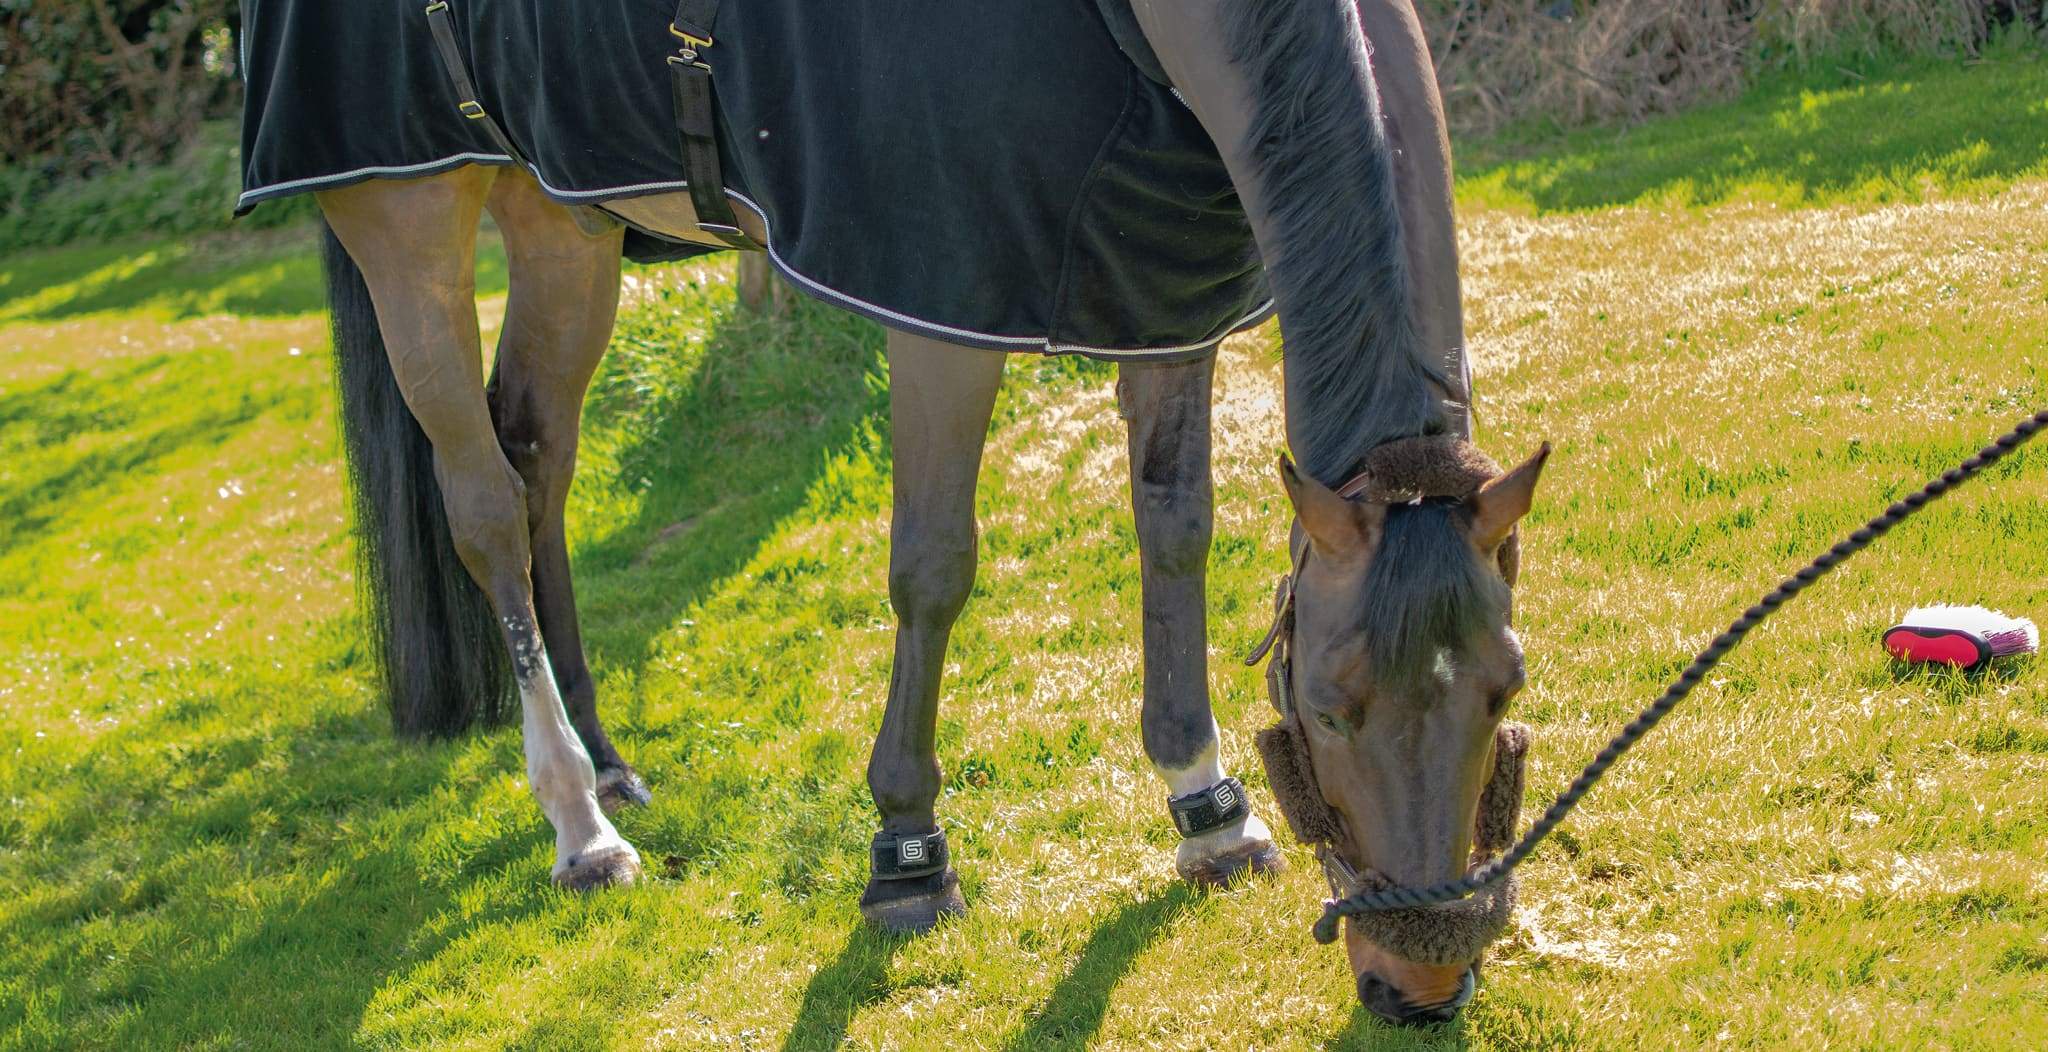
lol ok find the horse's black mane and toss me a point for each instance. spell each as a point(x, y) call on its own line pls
point(1424, 595)
point(1356, 373)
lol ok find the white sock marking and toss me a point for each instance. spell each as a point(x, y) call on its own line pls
point(1206, 771)
point(557, 768)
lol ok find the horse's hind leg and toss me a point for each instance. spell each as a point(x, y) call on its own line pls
point(416, 244)
point(1167, 410)
point(940, 398)
point(558, 317)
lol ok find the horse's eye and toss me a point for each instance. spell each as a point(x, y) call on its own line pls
point(1327, 720)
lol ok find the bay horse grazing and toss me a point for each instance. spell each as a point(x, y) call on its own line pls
point(1129, 179)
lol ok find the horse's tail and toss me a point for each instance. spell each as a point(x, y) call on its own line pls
point(431, 631)
point(1355, 367)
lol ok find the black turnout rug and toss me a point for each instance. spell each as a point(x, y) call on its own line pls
point(998, 173)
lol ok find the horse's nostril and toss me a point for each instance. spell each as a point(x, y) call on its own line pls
point(1381, 999)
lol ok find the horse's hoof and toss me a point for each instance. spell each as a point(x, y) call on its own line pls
point(1227, 856)
point(913, 906)
point(621, 787)
point(1221, 871)
point(615, 866)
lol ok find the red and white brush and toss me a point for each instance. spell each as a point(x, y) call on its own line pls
point(1965, 636)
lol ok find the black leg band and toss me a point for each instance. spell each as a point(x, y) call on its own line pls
point(902, 857)
point(1211, 809)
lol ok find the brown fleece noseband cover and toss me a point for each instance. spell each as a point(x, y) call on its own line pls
point(1294, 787)
point(1455, 932)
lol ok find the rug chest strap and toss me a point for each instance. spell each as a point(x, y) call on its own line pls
point(697, 121)
point(693, 21)
point(443, 26)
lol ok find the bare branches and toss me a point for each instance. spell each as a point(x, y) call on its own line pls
point(1575, 61)
point(88, 83)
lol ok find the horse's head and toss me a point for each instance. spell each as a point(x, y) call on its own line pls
point(1393, 682)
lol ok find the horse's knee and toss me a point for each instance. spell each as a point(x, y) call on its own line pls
point(931, 572)
point(1175, 528)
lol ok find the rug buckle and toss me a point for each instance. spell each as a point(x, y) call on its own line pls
point(695, 41)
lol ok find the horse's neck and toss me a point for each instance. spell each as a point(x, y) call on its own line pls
point(1336, 257)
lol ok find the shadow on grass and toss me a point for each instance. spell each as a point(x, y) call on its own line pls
point(1879, 133)
point(722, 459)
point(855, 979)
point(251, 274)
point(347, 861)
point(1366, 1032)
point(121, 414)
point(1074, 1011)
point(263, 895)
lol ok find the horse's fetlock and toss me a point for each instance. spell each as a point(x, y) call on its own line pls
point(556, 783)
point(904, 786)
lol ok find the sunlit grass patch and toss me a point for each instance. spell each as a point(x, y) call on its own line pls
point(1856, 132)
point(208, 838)
point(248, 274)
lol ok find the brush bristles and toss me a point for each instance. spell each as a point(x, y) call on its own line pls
point(2003, 635)
point(2023, 640)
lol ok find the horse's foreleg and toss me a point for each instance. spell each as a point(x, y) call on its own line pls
point(415, 242)
point(940, 398)
point(1167, 410)
point(558, 317)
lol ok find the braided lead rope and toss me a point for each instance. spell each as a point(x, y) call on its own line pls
point(1497, 870)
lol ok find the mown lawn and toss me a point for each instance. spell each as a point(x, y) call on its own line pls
point(208, 839)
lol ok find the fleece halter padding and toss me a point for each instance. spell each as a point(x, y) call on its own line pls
point(1431, 466)
point(1425, 466)
point(1500, 803)
point(1453, 933)
point(1313, 821)
point(1294, 788)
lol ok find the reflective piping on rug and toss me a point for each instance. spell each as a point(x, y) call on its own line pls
point(876, 312)
point(1040, 343)
point(317, 182)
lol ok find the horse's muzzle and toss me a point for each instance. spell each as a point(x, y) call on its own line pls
point(1382, 999)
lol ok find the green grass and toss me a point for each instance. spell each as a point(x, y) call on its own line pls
point(249, 274)
point(208, 839)
point(41, 206)
point(1858, 131)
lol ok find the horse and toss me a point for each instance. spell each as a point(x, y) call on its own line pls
point(1321, 123)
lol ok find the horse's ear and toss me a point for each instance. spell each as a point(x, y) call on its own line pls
point(1503, 501)
point(1337, 527)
